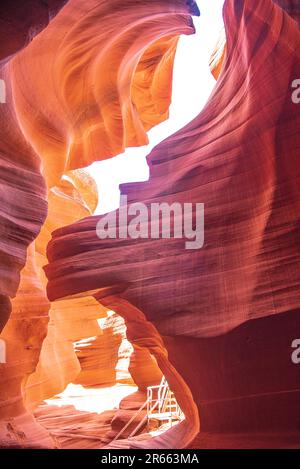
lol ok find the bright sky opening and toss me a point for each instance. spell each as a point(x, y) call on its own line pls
point(192, 85)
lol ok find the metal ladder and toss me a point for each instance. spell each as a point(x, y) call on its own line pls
point(161, 405)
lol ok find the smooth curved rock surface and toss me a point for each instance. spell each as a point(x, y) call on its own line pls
point(23, 335)
point(292, 7)
point(234, 304)
point(106, 77)
point(22, 188)
point(239, 158)
point(21, 21)
point(205, 161)
point(104, 356)
point(49, 361)
point(126, 68)
point(23, 199)
point(102, 84)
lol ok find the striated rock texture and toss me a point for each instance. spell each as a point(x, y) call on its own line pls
point(46, 366)
point(218, 55)
point(23, 334)
point(144, 369)
point(233, 305)
point(107, 358)
point(58, 365)
point(23, 206)
point(292, 7)
point(103, 83)
point(21, 21)
point(106, 78)
point(105, 355)
point(100, 86)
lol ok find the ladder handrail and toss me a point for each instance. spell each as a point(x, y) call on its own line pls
point(142, 421)
point(166, 404)
point(164, 395)
point(164, 398)
point(131, 420)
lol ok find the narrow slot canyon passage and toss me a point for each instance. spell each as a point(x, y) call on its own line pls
point(175, 325)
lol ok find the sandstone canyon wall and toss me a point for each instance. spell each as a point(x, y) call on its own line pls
point(22, 187)
point(84, 89)
point(234, 304)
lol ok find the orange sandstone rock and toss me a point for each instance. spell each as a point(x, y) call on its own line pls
point(219, 320)
point(100, 86)
point(106, 79)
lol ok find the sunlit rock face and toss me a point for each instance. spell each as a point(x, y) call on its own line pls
point(23, 336)
point(84, 89)
point(106, 79)
point(106, 357)
point(292, 7)
point(239, 158)
point(218, 55)
point(48, 360)
point(23, 206)
point(75, 196)
point(100, 86)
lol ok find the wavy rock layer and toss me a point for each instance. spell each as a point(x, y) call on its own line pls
point(107, 358)
point(58, 365)
point(292, 7)
point(23, 335)
point(23, 206)
point(239, 158)
point(20, 22)
point(207, 160)
point(104, 357)
point(104, 81)
point(47, 366)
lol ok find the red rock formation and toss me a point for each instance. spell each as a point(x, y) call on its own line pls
point(20, 177)
point(106, 100)
point(46, 113)
point(291, 7)
point(23, 201)
point(100, 86)
point(224, 302)
point(233, 304)
point(58, 364)
point(144, 369)
point(23, 335)
point(20, 22)
point(218, 56)
point(101, 356)
point(21, 385)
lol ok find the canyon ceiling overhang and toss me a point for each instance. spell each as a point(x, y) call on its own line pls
point(88, 86)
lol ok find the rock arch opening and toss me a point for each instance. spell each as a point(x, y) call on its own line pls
point(118, 358)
